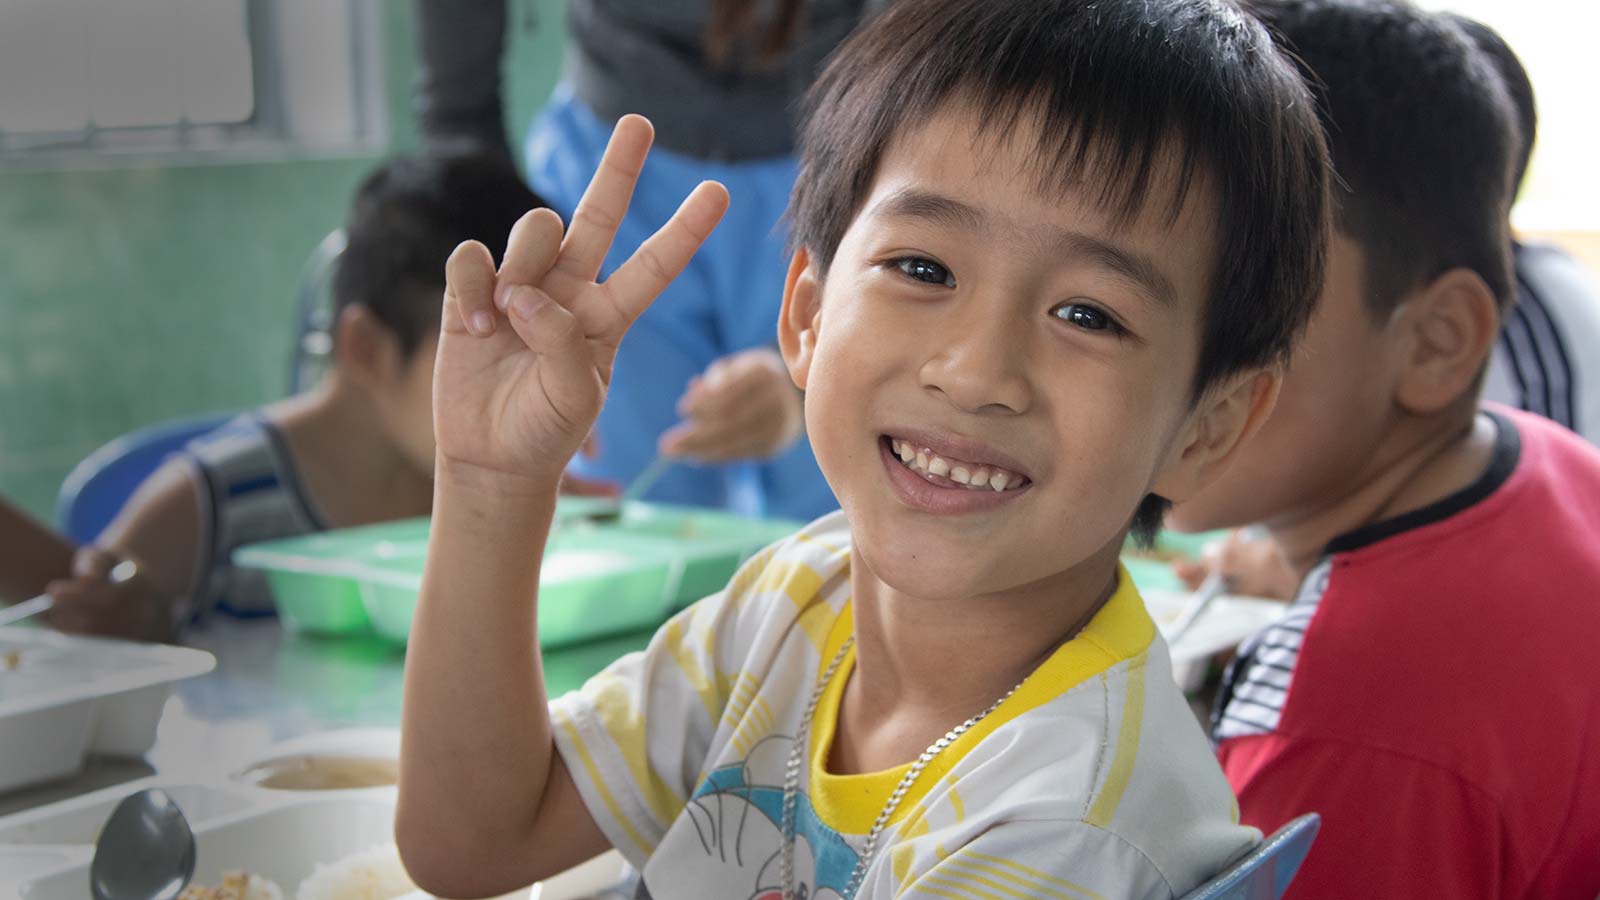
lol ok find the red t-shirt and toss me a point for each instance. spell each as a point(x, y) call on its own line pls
point(1434, 692)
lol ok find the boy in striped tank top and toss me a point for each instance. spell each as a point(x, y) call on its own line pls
point(356, 449)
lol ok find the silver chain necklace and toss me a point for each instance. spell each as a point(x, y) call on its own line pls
point(797, 755)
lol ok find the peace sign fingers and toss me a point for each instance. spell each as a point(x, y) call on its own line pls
point(659, 259)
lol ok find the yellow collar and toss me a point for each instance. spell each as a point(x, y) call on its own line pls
point(849, 804)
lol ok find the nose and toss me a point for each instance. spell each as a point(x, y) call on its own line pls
point(977, 360)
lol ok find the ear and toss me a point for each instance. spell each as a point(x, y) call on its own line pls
point(364, 350)
point(800, 318)
point(1449, 327)
point(1226, 416)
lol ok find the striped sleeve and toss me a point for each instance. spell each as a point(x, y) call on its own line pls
point(636, 736)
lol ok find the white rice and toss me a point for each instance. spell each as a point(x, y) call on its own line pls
point(374, 874)
point(235, 886)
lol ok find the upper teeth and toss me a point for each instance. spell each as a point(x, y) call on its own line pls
point(974, 476)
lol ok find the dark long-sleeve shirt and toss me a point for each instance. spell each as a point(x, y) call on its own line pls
point(642, 56)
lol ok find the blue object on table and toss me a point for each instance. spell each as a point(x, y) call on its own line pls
point(96, 489)
point(1265, 872)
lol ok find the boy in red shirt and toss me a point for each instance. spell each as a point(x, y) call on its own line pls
point(1430, 690)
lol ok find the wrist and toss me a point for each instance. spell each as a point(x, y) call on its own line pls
point(477, 483)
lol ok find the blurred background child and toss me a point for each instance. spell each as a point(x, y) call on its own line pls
point(356, 449)
point(1543, 361)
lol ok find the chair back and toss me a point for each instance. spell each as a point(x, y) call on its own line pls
point(96, 489)
point(313, 338)
point(1265, 872)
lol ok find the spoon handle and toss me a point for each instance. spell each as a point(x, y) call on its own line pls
point(26, 608)
point(120, 573)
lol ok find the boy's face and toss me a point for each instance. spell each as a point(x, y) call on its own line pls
point(1017, 334)
point(1337, 397)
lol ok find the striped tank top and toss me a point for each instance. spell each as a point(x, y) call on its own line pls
point(249, 491)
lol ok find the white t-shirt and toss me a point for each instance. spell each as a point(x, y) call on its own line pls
point(1544, 358)
point(1093, 780)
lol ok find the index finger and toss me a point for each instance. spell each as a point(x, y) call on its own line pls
point(660, 258)
point(605, 200)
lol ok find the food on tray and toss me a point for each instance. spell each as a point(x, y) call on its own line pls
point(323, 773)
point(10, 660)
point(235, 886)
point(374, 874)
point(569, 565)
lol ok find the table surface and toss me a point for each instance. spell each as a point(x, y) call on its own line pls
point(271, 685)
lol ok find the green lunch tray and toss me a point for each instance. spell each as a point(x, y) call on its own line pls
point(602, 575)
point(710, 544)
point(312, 576)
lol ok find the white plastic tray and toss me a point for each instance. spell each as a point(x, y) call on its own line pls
point(281, 835)
point(1220, 628)
point(72, 695)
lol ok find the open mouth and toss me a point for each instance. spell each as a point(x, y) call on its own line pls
point(948, 472)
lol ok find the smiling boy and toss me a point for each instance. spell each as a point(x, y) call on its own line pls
point(1049, 257)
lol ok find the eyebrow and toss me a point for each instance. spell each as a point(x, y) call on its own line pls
point(911, 203)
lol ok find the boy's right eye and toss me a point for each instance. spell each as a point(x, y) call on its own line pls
point(924, 270)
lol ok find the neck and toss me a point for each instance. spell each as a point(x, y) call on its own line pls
point(923, 666)
point(352, 470)
point(1421, 461)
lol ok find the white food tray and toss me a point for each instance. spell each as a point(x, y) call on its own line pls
point(69, 696)
point(1222, 627)
point(280, 835)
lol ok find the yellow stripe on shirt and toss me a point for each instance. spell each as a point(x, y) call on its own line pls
point(595, 778)
point(613, 704)
point(1036, 882)
point(1104, 808)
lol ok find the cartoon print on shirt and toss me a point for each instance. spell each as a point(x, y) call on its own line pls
point(739, 821)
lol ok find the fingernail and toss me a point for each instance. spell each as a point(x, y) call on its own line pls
point(521, 301)
point(482, 323)
point(500, 293)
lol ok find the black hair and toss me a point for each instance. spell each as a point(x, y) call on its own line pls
point(1422, 136)
point(407, 217)
point(1519, 88)
point(1122, 91)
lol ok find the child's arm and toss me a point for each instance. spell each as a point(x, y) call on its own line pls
point(524, 360)
point(159, 530)
point(35, 555)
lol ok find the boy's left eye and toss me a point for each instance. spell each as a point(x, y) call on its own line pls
point(1089, 318)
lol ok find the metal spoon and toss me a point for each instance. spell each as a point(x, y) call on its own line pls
point(636, 489)
point(120, 573)
point(145, 852)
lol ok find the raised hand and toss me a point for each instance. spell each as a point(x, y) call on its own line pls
point(525, 352)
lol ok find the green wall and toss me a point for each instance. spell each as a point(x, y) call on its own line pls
point(134, 295)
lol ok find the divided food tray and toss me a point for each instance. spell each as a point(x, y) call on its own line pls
point(601, 576)
point(62, 697)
